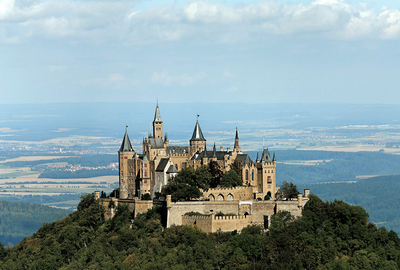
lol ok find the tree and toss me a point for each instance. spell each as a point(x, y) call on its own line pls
point(231, 179)
point(289, 191)
point(216, 173)
point(146, 197)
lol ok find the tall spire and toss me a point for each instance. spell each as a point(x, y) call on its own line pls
point(257, 157)
point(157, 115)
point(126, 145)
point(236, 146)
point(197, 133)
point(273, 159)
point(214, 152)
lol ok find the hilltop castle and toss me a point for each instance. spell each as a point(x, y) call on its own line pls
point(148, 172)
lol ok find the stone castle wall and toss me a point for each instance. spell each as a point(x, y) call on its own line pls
point(229, 194)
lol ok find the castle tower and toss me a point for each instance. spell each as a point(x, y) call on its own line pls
point(236, 146)
point(197, 140)
point(266, 178)
point(157, 124)
point(125, 153)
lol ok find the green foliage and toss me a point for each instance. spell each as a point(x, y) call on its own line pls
point(145, 197)
point(220, 214)
point(266, 198)
point(231, 179)
point(289, 191)
point(18, 220)
point(192, 213)
point(185, 185)
point(329, 235)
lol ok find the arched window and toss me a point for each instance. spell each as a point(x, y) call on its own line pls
point(211, 197)
point(247, 175)
point(252, 175)
point(269, 179)
point(220, 197)
point(229, 197)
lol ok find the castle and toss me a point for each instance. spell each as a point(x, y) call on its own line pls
point(148, 172)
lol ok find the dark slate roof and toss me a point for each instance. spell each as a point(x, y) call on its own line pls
point(172, 169)
point(265, 156)
point(157, 115)
point(156, 143)
point(244, 158)
point(197, 134)
point(219, 154)
point(126, 145)
point(162, 164)
point(177, 150)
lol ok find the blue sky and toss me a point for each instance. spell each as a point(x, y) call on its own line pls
point(208, 51)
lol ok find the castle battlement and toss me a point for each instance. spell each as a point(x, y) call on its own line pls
point(208, 217)
point(229, 217)
point(229, 189)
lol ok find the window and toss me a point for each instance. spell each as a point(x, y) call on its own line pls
point(145, 165)
point(252, 175)
point(269, 179)
point(247, 175)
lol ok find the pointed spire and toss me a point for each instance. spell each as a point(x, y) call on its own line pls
point(166, 137)
point(257, 157)
point(157, 115)
point(126, 143)
point(236, 146)
point(214, 152)
point(273, 159)
point(197, 133)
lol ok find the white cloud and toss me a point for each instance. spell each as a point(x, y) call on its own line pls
point(184, 79)
point(208, 21)
point(115, 77)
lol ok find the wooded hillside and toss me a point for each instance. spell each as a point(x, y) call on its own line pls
point(329, 236)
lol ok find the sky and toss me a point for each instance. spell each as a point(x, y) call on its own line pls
point(323, 51)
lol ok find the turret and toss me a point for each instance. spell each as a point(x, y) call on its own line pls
point(157, 124)
point(197, 140)
point(125, 153)
point(236, 145)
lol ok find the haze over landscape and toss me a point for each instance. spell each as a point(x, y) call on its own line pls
point(315, 82)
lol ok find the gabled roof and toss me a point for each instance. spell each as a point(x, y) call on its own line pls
point(162, 164)
point(126, 145)
point(177, 150)
point(157, 115)
point(219, 155)
point(172, 169)
point(197, 134)
point(244, 158)
point(156, 143)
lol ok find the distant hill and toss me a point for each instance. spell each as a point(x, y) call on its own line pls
point(328, 236)
point(19, 220)
point(378, 195)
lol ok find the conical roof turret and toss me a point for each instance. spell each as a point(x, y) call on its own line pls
point(157, 115)
point(197, 133)
point(126, 145)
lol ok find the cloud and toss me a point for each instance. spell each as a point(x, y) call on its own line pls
point(208, 21)
point(184, 79)
point(115, 77)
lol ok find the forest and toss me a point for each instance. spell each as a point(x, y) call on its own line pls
point(329, 235)
point(17, 220)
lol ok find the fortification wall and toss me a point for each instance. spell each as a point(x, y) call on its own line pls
point(204, 223)
point(229, 194)
point(178, 209)
point(231, 223)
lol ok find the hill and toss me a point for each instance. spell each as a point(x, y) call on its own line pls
point(378, 195)
point(17, 220)
point(329, 235)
